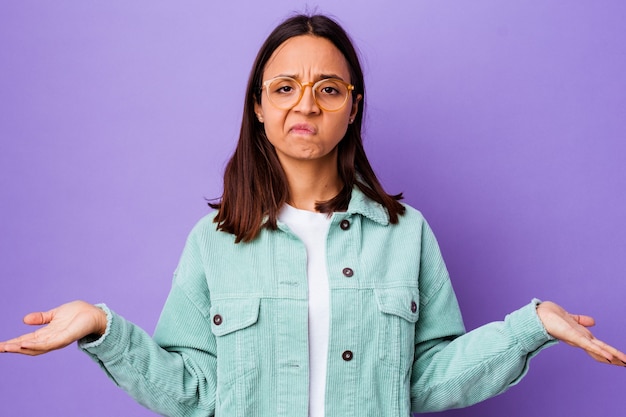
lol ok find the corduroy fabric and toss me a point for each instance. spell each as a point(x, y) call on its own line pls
point(232, 339)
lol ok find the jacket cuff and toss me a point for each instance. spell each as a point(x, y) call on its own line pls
point(528, 328)
point(112, 343)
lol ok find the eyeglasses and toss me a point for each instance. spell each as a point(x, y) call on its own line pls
point(330, 94)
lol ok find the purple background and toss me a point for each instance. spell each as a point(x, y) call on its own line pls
point(504, 122)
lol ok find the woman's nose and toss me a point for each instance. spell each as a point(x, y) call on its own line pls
point(307, 103)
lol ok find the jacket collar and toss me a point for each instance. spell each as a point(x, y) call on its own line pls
point(361, 204)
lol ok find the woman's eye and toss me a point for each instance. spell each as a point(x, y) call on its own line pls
point(284, 89)
point(329, 90)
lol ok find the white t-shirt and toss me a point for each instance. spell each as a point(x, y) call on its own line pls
point(312, 229)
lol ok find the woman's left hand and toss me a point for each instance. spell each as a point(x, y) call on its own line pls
point(573, 330)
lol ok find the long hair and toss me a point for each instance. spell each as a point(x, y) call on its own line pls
point(255, 185)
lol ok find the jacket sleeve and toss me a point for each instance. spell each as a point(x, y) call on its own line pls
point(173, 373)
point(454, 369)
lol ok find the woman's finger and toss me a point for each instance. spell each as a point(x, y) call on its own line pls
point(38, 318)
point(583, 320)
point(15, 348)
point(19, 340)
point(619, 357)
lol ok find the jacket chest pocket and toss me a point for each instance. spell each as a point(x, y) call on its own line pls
point(234, 323)
point(398, 313)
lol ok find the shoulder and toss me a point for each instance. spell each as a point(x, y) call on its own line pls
point(412, 213)
point(205, 223)
point(413, 225)
point(411, 218)
point(204, 234)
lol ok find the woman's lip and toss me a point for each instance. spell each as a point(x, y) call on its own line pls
point(303, 128)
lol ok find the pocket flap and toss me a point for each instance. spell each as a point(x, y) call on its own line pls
point(401, 301)
point(234, 314)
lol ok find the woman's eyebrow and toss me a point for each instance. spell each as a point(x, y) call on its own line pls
point(295, 77)
point(326, 76)
point(320, 77)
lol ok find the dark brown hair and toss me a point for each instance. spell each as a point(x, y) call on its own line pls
point(255, 185)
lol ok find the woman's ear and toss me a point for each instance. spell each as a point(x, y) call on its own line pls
point(258, 110)
point(355, 108)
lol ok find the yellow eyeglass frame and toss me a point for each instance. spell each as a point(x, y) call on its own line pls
point(313, 85)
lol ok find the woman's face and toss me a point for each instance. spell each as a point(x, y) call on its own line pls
point(306, 132)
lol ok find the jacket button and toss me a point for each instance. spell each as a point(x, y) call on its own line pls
point(345, 224)
point(348, 272)
point(413, 307)
point(347, 355)
point(217, 319)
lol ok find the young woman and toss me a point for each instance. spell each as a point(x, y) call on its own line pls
point(309, 291)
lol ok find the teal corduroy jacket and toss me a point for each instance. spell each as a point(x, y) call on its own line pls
point(232, 339)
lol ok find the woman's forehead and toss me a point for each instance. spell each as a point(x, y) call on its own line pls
point(305, 56)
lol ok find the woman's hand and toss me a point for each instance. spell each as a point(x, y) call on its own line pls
point(572, 329)
point(65, 325)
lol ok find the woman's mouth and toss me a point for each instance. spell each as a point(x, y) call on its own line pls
point(303, 129)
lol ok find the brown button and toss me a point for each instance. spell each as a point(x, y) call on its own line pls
point(345, 224)
point(413, 307)
point(348, 272)
point(347, 355)
point(217, 319)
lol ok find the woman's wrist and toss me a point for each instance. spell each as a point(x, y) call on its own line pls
point(102, 321)
point(102, 324)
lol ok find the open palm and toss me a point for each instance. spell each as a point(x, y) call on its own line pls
point(573, 330)
point(64, 325)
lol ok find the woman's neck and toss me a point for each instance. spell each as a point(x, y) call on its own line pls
point(310, 182)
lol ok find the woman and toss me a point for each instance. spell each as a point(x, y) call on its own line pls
point(309, 291)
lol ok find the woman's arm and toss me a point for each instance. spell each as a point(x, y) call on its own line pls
point(173, 373)
point(455, 369)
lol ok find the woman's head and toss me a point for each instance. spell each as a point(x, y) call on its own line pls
point(300, 25)
point(306, 106)
point(255, 185)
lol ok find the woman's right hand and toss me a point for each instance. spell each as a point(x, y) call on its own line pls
point(64, 325)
